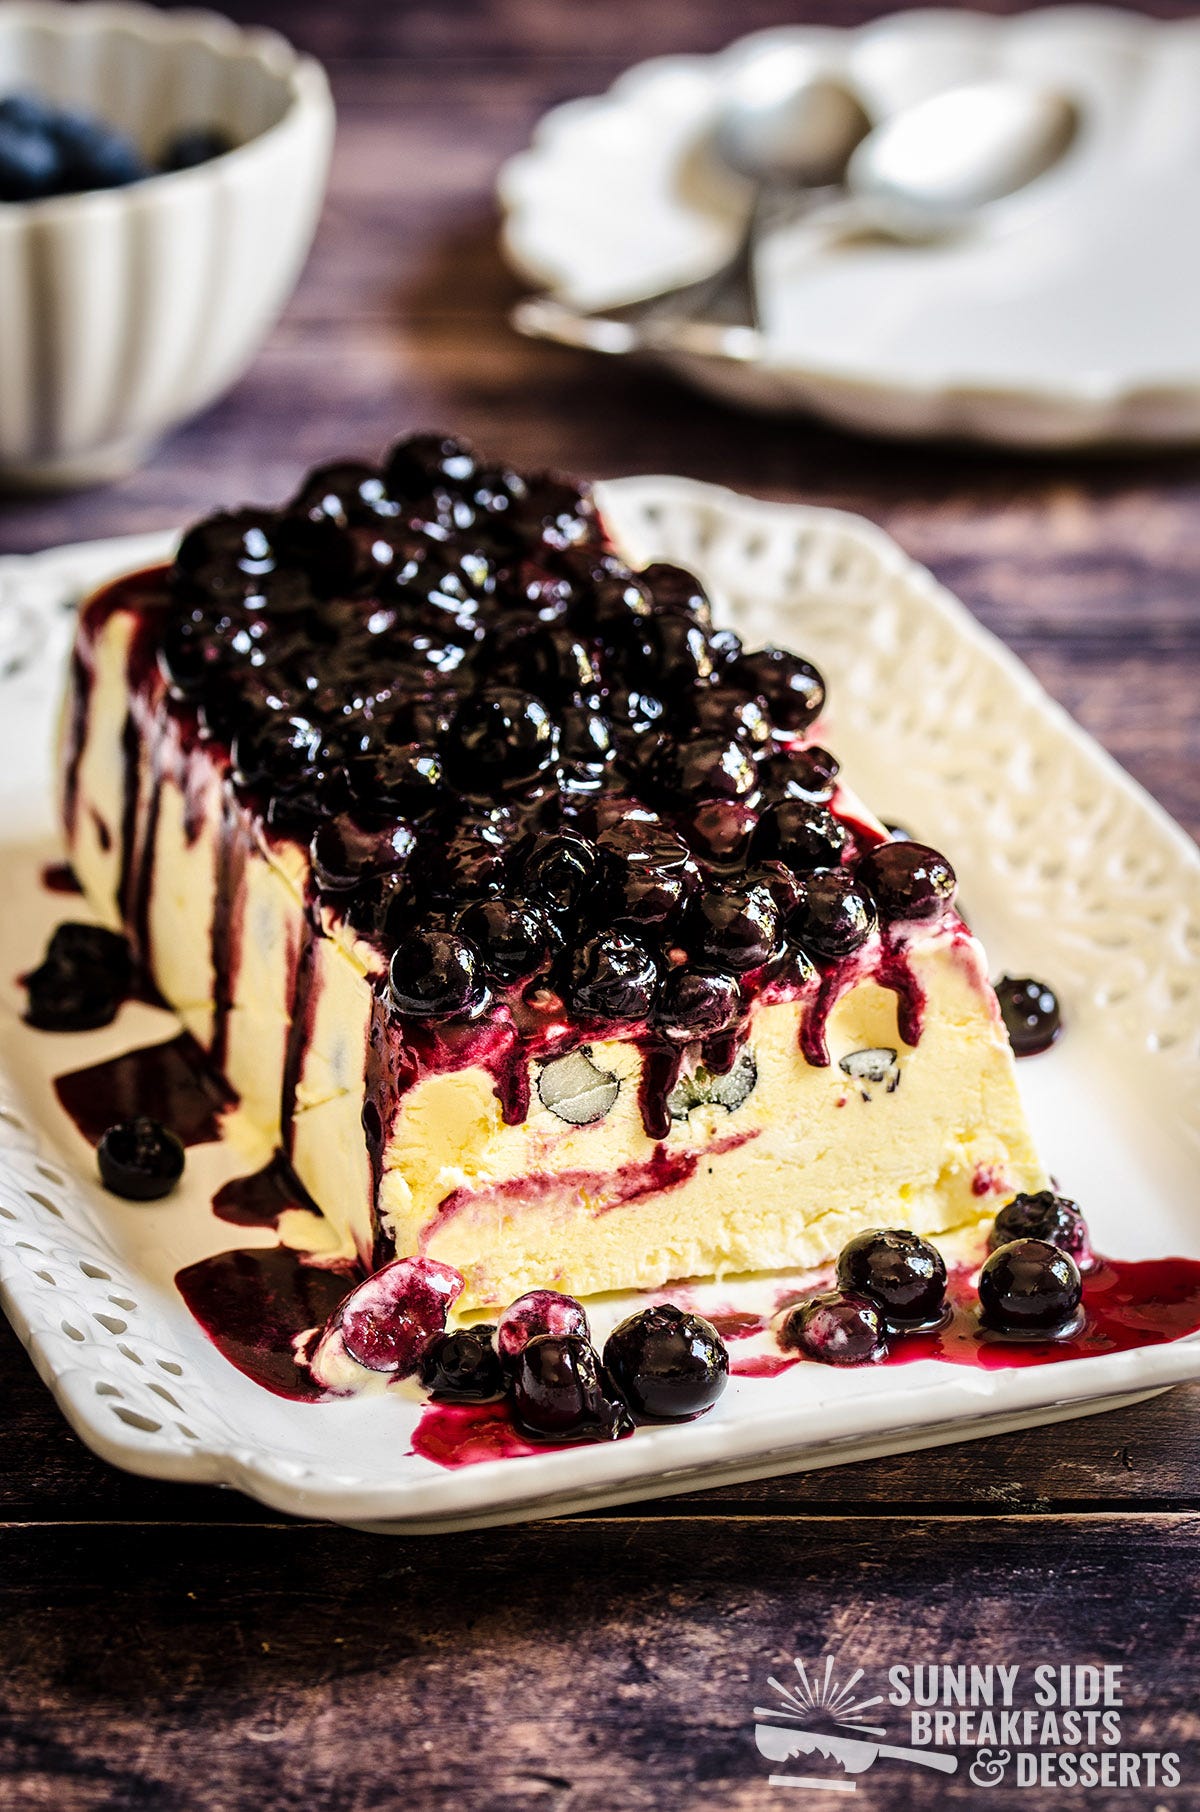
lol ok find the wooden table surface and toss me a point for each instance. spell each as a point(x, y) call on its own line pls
point(168, 1648)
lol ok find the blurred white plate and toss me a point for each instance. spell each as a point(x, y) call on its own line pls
point(1068, 318)
point(1070, 871)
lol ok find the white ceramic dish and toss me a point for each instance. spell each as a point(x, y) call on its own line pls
point(1067, 320)
point(1069, 869)
point(127, 310)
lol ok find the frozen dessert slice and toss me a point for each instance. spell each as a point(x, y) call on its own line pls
point(517, 902)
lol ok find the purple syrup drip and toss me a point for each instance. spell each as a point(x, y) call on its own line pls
point(259, 1199)
point(60, 877)
point(171, 1082)
point(252, 1305)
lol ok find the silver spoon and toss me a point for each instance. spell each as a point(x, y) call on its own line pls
point(922, 175)
point(785, 129)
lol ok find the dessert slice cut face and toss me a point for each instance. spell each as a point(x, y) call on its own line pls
point(517, 902)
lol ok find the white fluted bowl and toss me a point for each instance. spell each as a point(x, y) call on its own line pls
point(126, 310)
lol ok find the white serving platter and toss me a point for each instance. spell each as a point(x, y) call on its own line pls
point(1067, 318)
point(1070, 871)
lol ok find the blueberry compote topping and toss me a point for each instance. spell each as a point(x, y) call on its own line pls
point(1030, 1288)
point(837, 1327)
point(899, 1271)
point(1031, 1013)
point(390, 1322)
point(536, 1313)
point(140, 1159)
point(537, 781)
point(82, 980)
point(559, 1392)
point(1044, 1216)
point(464, 1367)
point(667, 1364)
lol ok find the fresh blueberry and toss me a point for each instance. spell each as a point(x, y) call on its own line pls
point(838, 1328)
point(1031, 1013)
point(612, 976)
point(1043, 1216)
point(513, 937)
point(1030, 1287)
point(464, 1367)
point(901, 1272)
point(908, 880)
point(194, 145)
point(435, 975)
point(801, 833)
point(666, 1364)
point(140, 1159)
point(31, 164)
point(96, 155)
point(693, 1003)
point(735, 927)
point(558, 1392)
point(835, 916)
point(793, 689)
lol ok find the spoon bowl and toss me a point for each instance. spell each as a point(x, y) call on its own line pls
point(930, 169)
point(787, 124)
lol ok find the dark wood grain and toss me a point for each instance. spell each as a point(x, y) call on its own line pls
point(179, 1649)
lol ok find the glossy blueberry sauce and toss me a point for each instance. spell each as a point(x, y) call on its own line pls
point(59, 877)
point(170, 1082)
point(463, 1434)
point(252, 1304)
point(259, 1199)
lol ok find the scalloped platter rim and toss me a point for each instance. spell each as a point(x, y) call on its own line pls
point(1017, 334)
point(1070, 869)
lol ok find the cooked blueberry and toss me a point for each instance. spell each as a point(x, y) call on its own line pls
point(405, 777)
point(616, 610)
point(500, 739)
point(279, 750)
point(793, 689)
point(226, 551)
point(140, 1159)
point(82, 980)
point(1030, 1287)
point(558, 1392)
point(705, 767)
point(908, 880)
point(835, 915)
point(470, 864)
point(1031, 1013)
point(31, 164)
point(667, 1365)
point(693, 1003)
point(345, 853)
point(781, 884)
point(837, 1327)
point(538, 1312)
point(673, 588)
point(559, 868)
point(612, 976)
point(802, 834)
point(418, 465)
point(585, 748)
point(347, 493)
point(676, 653)
point(194, 145)
point(725, 710)
point(435, 975)
point(809, 773)
point(390, 1322)
point(558, 511)
point(735, 927)
point(513, 937)
point(1044, 1216)
point(721, 831)
point(464, 1367)
point(901, 1272)
point(726, 647)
